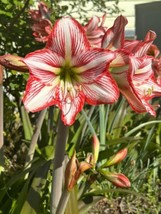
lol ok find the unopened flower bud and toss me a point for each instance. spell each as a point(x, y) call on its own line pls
point(13, 62)
point(70, 172)
point(95, 149)
point(73, 171)
point(117, 179)
point(83, 166)
point(117, 158)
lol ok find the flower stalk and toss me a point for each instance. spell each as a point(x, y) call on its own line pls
point(63, 202)
point(58, 175)
point(34, 139)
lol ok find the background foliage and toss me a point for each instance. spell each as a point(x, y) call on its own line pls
point(28, 187)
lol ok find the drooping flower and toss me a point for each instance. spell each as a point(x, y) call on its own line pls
point(95, 30)
point(68, 73)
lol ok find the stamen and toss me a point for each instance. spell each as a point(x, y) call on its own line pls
point(148, 91)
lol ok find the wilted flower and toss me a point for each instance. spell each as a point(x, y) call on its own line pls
point(70, 171)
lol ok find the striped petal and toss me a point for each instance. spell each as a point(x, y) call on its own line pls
point(144, 79)
point(70, 106)
point(143, 47)
point(95, 30)
point(114, 36)
point(122, 59)
point(138, 84)
point(39, 96)
point(103, 91)
point(140, 48)
point(67, 38)
point(92, 63)
point(44, 64)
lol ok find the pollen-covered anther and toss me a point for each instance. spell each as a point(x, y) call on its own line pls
point(148, 91)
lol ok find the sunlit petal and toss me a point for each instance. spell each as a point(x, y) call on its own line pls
point(140, 48)
point(39, 96)
point(71, 106)
point(67, 38)
point(44, 64)
point(92, 63)
point(103, 91)
point(138, 84)
point(114, 36)
point(121, 59)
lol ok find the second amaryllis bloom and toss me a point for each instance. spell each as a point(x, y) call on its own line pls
point(68, 73)
point(138, 83)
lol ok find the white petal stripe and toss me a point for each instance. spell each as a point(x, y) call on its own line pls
point(96, 58)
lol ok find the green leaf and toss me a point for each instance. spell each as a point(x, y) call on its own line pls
point(32, 204)
point(28, 131)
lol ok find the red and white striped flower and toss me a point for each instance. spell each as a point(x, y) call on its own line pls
point(42, 25)
point(138, 83)
point(68, 73)
point(95, 30)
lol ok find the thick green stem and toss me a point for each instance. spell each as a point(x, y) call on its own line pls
point(58, 174)
point(102, 124)
point(63, 202)
point(34, 139)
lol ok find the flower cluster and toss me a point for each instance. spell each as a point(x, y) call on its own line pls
point(89, 64)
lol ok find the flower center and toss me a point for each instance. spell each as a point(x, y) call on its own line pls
point(69, 81)
point(68, 73)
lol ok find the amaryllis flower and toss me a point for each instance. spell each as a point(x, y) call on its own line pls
point(95, 30)
point(138, 84)
point(68, 73)
point(42, 25)
point(41, 13)
point(42, 30)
